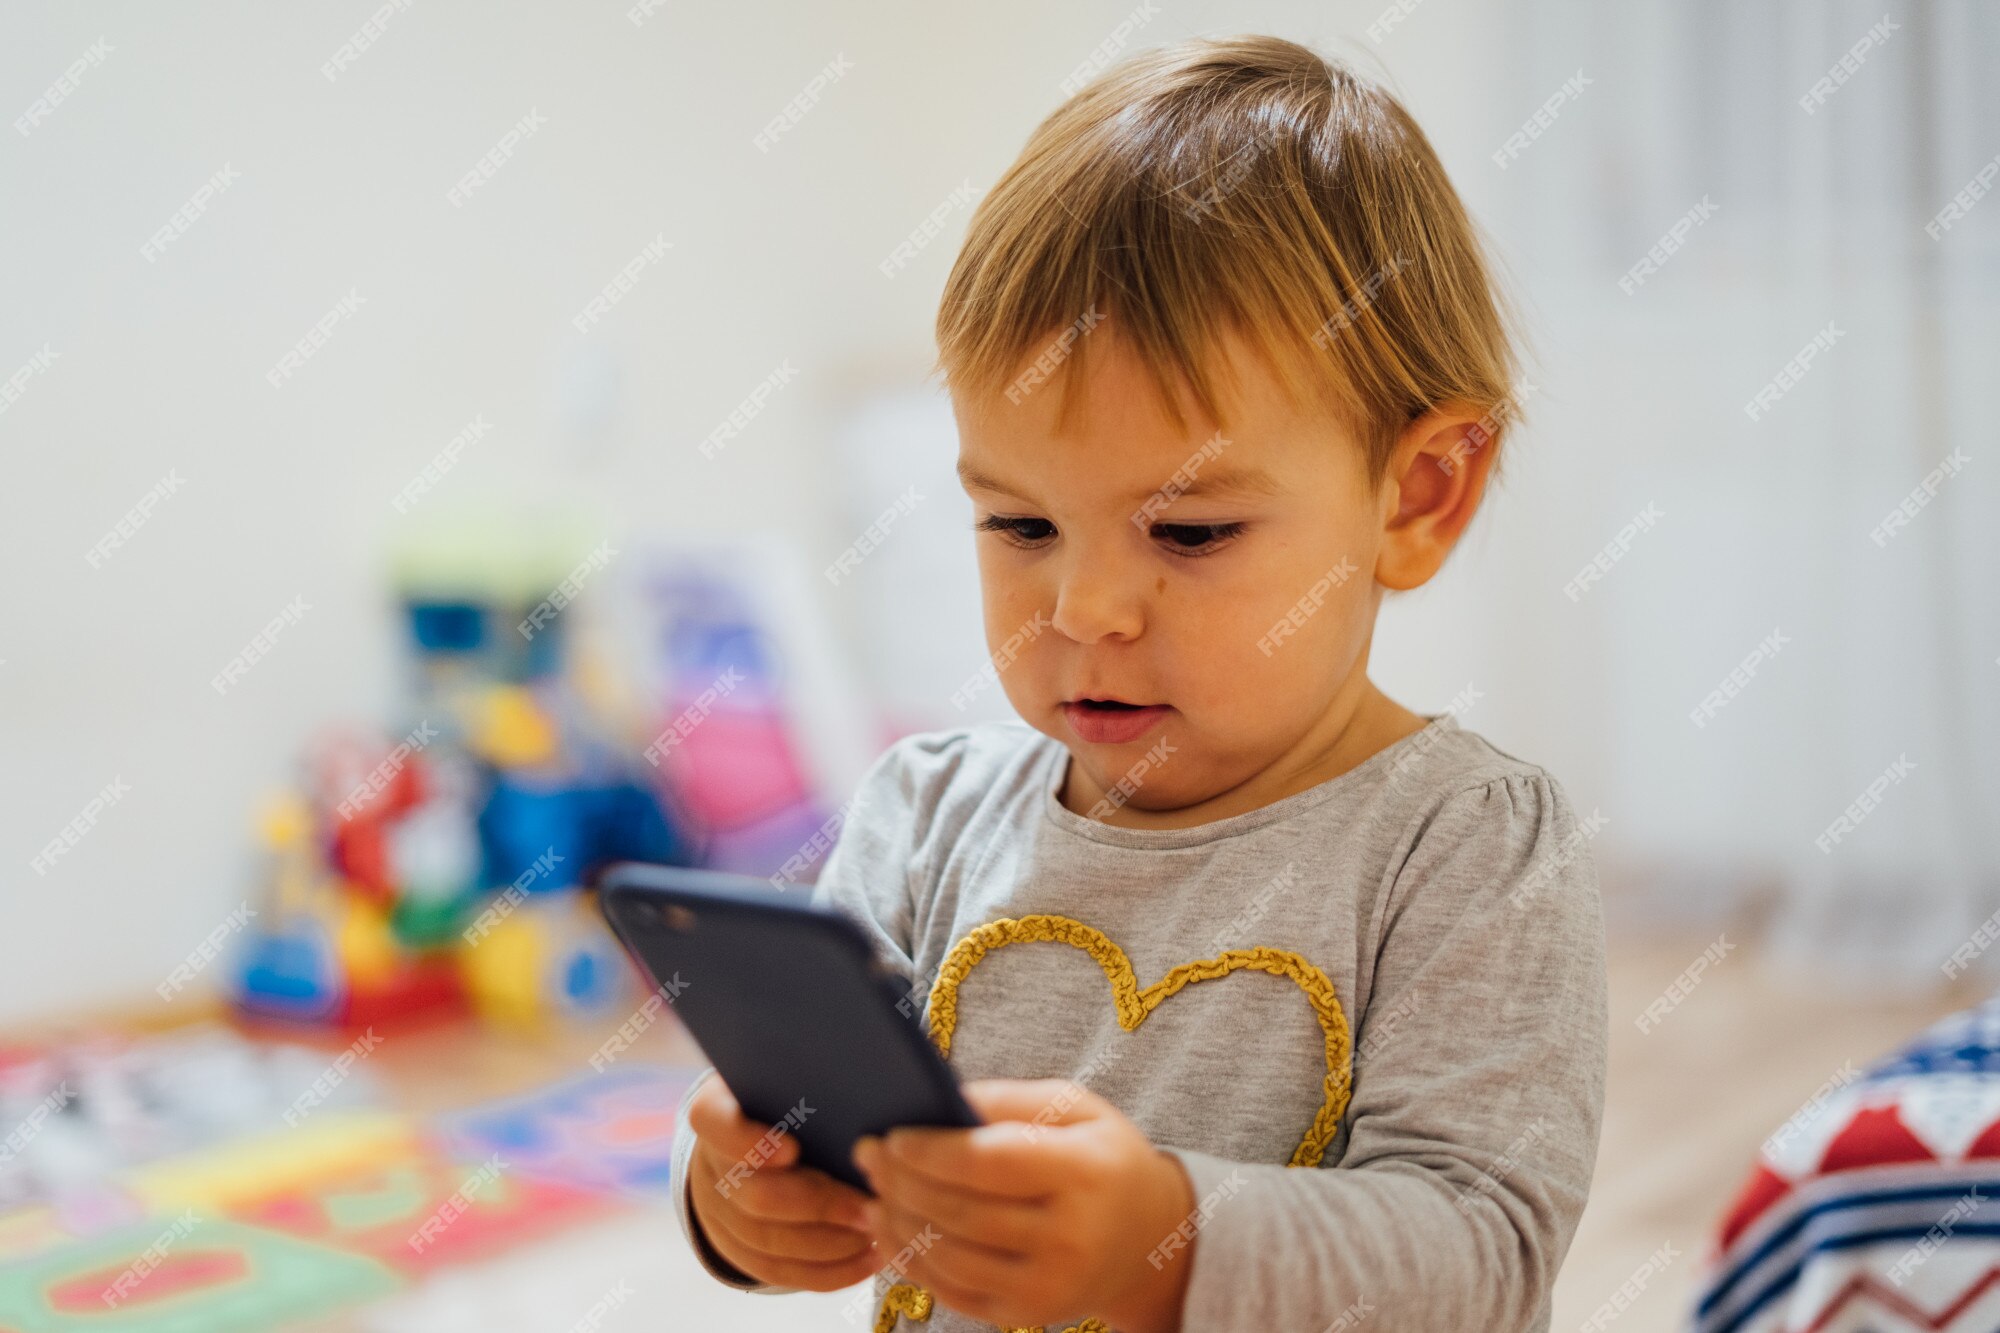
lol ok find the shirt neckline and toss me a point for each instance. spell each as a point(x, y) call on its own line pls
point(1055, 766)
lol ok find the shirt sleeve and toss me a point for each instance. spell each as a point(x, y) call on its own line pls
point(866, 875)
point(1477, 1098)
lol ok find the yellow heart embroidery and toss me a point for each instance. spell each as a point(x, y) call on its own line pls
point(907, 1298)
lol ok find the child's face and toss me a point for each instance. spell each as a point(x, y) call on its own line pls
point(1233, 602)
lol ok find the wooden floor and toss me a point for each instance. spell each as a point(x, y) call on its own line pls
point(1688, 1105)
point(1689, 1102)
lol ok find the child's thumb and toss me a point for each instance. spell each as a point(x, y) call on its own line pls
point(1046, 1101)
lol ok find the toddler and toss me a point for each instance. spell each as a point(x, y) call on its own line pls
point(1285, 1004)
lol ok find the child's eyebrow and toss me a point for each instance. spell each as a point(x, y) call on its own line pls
point(1246, 481)
point(1212, 481)
point(974, 480)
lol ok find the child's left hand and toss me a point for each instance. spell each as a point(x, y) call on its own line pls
point(1054, 1210)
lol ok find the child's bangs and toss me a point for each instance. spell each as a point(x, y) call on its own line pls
point(1144, 241)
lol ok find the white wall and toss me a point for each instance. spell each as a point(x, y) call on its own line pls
point(341, 187)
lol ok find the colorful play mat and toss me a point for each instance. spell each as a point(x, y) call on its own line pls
point(235, 1228)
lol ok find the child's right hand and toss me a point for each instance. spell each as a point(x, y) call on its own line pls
point(779, 1222)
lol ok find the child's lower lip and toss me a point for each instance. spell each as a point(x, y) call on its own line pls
point(1100, 726)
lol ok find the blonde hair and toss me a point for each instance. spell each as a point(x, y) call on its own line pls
point(1244, 184)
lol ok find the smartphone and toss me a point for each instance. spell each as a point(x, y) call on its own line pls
point(790, 1003)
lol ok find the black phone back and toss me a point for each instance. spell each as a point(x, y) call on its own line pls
point(790, 1004)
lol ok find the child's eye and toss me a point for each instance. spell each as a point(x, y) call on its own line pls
point(1195, 538)
point(1019, 531)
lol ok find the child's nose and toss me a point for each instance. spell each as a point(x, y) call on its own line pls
point(1101, 599)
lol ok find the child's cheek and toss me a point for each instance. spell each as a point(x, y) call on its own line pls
point(1021, 639)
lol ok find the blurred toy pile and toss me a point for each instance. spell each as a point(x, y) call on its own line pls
point(438, 865)
point(209, 1180)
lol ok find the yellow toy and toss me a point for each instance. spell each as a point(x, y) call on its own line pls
point(529, 960)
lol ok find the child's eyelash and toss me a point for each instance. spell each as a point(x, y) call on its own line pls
point(1022, 531)
point(1192, 538)
point(1185, 539)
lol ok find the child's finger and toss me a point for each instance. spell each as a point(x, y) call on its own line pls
point(996, 1221)
point(1005, 1157)
point(1042, 1101)
point(713, 1115)
point(822, 1259)
point(787, 1271)
point(815, 1256)
point(813, 1243)
point(718, 1121)
point(964, 1263)
point(801, 1195)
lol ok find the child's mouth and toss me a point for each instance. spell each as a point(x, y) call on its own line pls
point(1111, 721)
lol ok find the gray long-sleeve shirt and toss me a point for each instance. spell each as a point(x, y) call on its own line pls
point(1442, 887)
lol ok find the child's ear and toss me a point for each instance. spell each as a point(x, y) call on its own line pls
point(1437, 474)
